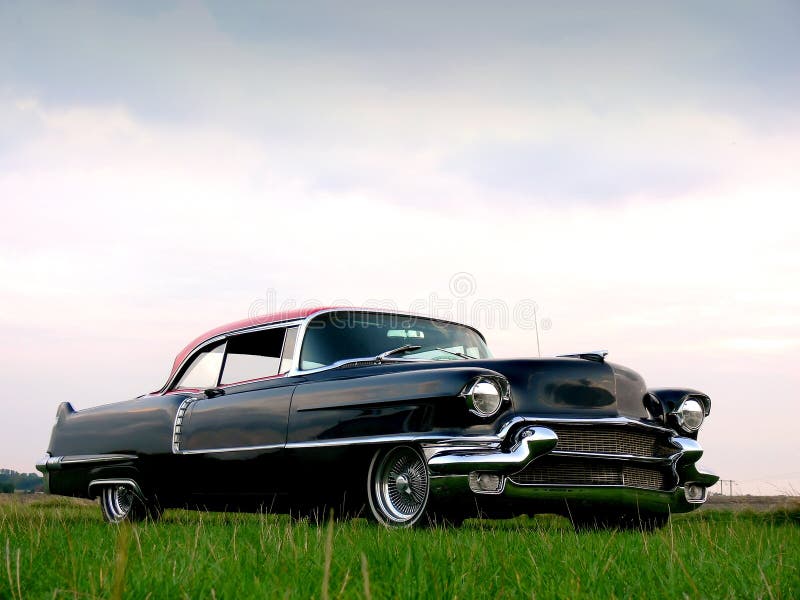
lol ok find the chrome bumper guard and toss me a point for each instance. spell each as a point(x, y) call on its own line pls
point(532, 443)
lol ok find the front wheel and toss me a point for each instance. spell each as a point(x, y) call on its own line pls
point(397, 486)
point(119, 503)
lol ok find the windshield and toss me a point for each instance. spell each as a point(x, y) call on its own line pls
point(343, 335)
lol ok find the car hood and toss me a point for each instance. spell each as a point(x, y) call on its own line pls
point(552, 387)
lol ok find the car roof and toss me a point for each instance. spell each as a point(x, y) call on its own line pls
point(254, 321)
point(287, 316)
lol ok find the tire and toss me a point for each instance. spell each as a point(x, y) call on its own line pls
point(620, 521)
point(120, 504)
point(397, 487)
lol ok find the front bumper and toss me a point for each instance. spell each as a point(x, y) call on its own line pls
point(563, 500)
point(484, 469)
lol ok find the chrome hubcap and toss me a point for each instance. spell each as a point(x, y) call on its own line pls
point(401, 485)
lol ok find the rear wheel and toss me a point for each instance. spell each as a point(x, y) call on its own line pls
point(398, 486)
point(119, 503)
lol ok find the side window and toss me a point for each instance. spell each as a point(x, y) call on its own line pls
point(253, 356)
point(203, 372)
point(288, 349)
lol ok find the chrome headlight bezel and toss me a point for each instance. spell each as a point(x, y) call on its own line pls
point(690, 424)
point(485, 395)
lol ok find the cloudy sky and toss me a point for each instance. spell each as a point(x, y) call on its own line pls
point(169, 166)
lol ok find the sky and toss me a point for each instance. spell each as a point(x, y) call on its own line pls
point(629, 169)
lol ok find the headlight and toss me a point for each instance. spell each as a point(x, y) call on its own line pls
point(484, 397)
point(690, 415)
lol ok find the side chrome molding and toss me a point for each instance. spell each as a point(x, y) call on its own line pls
point(48, 463)
point(176, 429)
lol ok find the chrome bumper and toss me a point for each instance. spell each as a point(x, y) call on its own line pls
point(481, 466)
point(561, 500)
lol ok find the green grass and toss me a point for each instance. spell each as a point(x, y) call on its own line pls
point(59, 549)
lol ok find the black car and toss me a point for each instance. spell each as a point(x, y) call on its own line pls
point(400, 418)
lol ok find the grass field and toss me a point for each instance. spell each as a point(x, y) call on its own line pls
point(55, 548)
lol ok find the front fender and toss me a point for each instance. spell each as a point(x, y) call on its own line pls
point(360, 403)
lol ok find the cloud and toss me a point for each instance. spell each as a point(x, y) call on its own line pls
point(571, 104)
point(268, 65)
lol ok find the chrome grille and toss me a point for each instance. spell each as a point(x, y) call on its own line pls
point(613, 440)
point(650, 479)
point(583, 472)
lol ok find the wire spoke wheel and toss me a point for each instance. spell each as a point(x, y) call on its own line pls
point(398, 486)
point(119, 503)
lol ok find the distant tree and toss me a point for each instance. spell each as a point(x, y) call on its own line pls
point(24, 482)
point(28, 482)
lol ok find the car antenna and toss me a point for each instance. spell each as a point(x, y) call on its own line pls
point(536, 325)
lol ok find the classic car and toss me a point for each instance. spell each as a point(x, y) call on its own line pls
point(401, 418)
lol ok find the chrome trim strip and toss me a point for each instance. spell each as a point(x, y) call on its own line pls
point(366, 440)
point(626, 421)
point(236, 449)
point(654, 460)
point(126, 482)
point(93, 458)
point(587, 486)
point(433, 448)
point(374, 439)
point(54, 463)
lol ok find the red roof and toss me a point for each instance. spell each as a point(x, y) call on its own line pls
point(286, 315)
point(276, 317)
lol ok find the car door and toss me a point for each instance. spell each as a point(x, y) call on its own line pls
point(234, 435)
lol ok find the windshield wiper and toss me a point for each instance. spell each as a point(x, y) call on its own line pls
point(384, 355)
point(454, 353)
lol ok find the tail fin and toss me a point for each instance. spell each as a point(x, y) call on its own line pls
point(64, 410)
